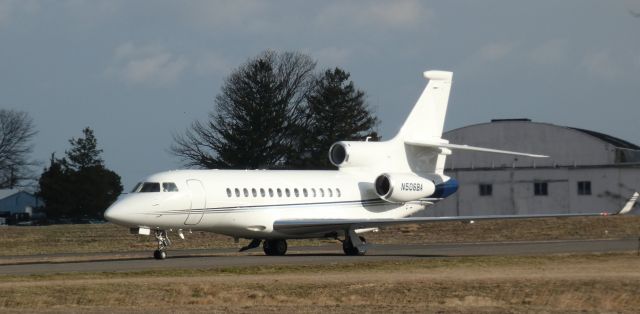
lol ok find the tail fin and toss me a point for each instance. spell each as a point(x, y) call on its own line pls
point(426, 120)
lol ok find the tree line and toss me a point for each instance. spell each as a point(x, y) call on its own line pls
point(275, 111)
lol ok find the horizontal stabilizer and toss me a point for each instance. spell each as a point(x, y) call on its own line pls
point(472, 148)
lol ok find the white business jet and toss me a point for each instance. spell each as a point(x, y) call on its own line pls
point(377, 184)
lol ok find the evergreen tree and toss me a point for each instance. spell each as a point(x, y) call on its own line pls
point(79, 185)
point(335, 111)
point(256, 113)
point(55, 184)
point(84, 152)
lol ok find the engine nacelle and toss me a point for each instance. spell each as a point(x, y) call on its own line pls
point(403, 187)
point(358, 154)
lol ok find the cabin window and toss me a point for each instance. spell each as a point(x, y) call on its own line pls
point(270, 192)
point(321, 192)
point(237, 192)
point(254, 193)
point(228, 192)
point(279, 192)
point(295, 191)
point(262, 192)
point(313, 192)
point(304, 192)
point(150, 187)
point(246, 192)
point(287, 192)
point(330, 192)
point(338, 194)
point(169, 187)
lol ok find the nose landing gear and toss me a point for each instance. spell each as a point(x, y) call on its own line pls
point(163, 243)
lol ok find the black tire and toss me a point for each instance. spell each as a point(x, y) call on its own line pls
point(275, 247)
point(159, 255)
point(350, 250)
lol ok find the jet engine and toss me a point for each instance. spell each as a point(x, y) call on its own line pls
point(358, 154)
point(403, 187)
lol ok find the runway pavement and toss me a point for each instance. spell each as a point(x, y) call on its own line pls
point(219, 258)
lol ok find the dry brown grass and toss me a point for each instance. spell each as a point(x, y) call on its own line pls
point(513, 230)
point(112, 238)
point(556, 284)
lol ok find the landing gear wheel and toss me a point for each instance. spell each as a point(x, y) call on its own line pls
point(163, 243)
point(350, 249)
point(275, 247)
point(157, 254)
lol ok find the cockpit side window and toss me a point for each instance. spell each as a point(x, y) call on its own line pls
point(150, 187)
point(169, 187)
point(136, 188)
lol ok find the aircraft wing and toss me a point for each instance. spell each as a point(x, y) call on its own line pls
point(312, 226)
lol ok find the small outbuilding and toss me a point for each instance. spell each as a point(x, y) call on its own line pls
point(16, 201)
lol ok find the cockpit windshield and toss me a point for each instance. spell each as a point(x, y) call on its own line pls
point(146, 187)
point(150, 187)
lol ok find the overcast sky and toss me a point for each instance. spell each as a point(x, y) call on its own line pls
point(138, 71)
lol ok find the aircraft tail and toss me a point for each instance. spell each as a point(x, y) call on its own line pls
point(425, 124)
point(426, 120)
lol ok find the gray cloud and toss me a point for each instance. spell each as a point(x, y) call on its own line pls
point(212, 63)
point(377, 14)
point(149, 65)
point(553, 51)
point(601, 64)
point(496, 51)
point(12, 9)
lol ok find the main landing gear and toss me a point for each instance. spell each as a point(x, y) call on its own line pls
point(275, 247)
point(163, 243)
point(272, 247)
point(353, 244)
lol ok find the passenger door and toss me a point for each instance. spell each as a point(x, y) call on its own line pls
point(198, 202)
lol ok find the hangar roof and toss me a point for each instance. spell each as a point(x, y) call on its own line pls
point(566, 146)
point(610, 139)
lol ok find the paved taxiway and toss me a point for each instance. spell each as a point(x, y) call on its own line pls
point(326, 254)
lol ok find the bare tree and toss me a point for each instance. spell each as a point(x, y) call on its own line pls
point(16, 132)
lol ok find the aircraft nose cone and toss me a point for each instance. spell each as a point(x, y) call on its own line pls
point(115, 213)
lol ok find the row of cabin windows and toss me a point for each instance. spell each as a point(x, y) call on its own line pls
point(539, 188)
point(287, 192)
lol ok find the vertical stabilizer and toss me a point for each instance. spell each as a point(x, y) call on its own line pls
point(426, 120)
